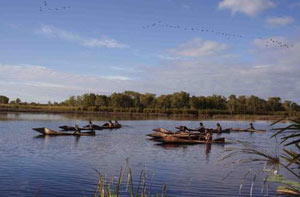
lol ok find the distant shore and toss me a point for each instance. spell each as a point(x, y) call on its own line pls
point(143, 114)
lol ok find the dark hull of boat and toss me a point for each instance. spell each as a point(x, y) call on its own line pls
point(69, 128)
point(176, 140)
point(158, 135)
point(214, 131)
point(46, 131)
point(248, 130)
point(97, 127)
point(94, 127)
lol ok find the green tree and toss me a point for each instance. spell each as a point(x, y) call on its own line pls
point(102, 100)
point(217, 102)
point(89, 99)
point(275, 104)
point(71, 101)
point(164, 102)
point(232, 104)
point(135, 96)
point(4, 99)
point(120, 100)
point(180, 100)
point(256, 105)
point(18, 101)
point(147, 100)
point(241, 106)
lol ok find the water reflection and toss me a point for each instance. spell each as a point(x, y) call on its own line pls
point(170, 146)
point(64, 164)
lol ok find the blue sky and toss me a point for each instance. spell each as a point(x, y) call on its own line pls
point(107, 46)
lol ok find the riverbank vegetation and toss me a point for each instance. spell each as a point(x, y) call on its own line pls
point(124, 185)
point(176, 103)
point(286, 157)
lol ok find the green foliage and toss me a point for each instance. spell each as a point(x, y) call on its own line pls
point(4, 99)
point(176, 103)
point(289, 159)
point(125, 185)
point(180, 100)
point(18, 101)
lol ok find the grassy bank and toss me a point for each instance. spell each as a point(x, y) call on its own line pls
point(133, 112)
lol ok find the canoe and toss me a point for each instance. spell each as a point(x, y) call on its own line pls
point(105, 126)
point(176, 140)
point(247, 130)
point(213, 130)
point(157, 135)
point(162, 130)
point(70, 128)
point(223, 131)
point(46, 131)
point(87, 127)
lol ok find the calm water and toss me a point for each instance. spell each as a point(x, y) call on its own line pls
point(64, 165)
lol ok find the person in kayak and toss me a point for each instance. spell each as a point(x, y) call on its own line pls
point(90, 125)
point(208, 135)
point(117, 123)
point(219, 128)
point(201, 128)
point(110, 123)
point(77, 130)
point(251, 126)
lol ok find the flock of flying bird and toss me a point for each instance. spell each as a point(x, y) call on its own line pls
point(46, 7)
point(268, 42)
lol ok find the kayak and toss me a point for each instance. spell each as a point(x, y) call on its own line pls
point(247, 130)
point(176, 140)
point(87, 127)
point(46, 131)
point(183, 135)
point(105, 126)
point(162, 130)
point(213, 130)
point(70, 128)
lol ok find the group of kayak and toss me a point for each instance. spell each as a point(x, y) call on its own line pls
point(198, 135)
point(79, 131)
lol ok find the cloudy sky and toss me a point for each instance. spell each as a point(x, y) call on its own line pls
point(50, 50)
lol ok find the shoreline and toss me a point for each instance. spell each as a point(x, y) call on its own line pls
point(140, 115)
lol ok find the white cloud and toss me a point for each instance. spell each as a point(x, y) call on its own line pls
point(273, 72)
point(198, 48)
point(280, 21)
point(41, 84)
point(51, 31)
point(248, 7)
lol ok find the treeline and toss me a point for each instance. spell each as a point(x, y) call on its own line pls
point(176, 103)
point(181, 102)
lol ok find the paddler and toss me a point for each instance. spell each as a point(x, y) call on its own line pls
point(90, 126)
point(219, 128)
point(201, 128)
point(251, 126)
point(110, 124)
point(77, 130)
point(117, 123)
point(208, 135)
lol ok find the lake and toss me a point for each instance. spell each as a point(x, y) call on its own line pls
point(65, 165)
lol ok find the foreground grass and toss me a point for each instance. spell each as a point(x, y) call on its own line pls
point(286, 157)
point(107, 187)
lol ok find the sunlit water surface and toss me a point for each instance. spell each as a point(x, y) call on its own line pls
point(65, 165)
